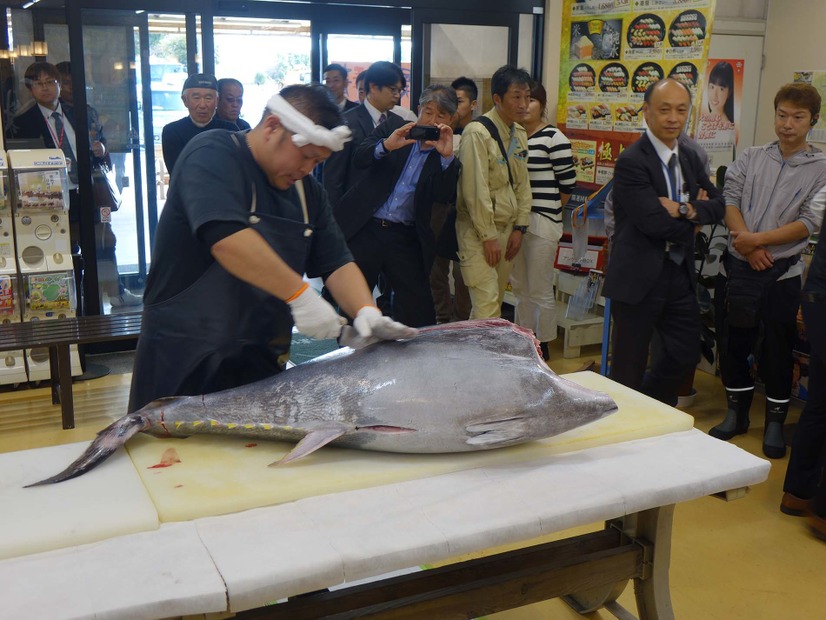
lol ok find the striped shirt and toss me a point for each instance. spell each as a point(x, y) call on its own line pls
point(551, 170)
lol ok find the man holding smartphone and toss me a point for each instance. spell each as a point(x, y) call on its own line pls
point(385, 217)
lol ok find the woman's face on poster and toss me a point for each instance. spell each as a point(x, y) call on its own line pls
point(717, 97)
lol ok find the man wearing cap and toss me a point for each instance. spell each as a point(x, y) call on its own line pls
point(200, 96)
point(240, 228)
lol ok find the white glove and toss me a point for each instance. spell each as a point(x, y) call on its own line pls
point(372, 325)
point(314, 317)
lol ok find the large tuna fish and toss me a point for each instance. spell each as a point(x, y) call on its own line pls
point(474, 385)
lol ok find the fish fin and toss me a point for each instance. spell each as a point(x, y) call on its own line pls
point(311, 442)
point(496, 432)
point(105, 444)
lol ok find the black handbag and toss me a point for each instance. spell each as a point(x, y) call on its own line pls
point(105, 190)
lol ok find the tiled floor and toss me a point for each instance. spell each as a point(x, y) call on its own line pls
point(737, 560)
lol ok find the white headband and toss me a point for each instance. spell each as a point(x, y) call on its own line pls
point(306, 131)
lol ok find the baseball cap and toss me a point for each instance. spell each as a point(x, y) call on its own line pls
point(201, 80)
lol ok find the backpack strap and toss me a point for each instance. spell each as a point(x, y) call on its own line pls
point(494, 133)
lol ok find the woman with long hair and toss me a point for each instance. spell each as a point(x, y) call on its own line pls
point(552, 175)
point(720, 91)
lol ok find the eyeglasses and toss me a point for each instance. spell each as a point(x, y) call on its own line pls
point(395, 90)
point(44, 83)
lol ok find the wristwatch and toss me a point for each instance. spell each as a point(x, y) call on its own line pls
point(522, 229)
point(683, 210)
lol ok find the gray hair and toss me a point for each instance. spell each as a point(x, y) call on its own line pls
point(443, 96)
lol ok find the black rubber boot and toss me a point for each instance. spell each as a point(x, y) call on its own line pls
point(774, 444)
point(545, 354)
point(736, 421)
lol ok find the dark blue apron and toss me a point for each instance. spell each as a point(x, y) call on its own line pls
point(220, 332)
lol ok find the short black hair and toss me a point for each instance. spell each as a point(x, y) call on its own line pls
point(336, 67)
point(648, 91)
point(507, 75)
point(64, 67)
point(360, 77)
point(383, 73)
point(314, 102)
point(466, 85)
point(227, 81)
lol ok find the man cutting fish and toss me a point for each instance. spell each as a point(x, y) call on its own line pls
point(239, 229)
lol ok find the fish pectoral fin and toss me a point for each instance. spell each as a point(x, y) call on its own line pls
point(311, 442)
point(496, 432)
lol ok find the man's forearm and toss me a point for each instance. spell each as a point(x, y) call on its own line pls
point(788, 233)
point(349, 288)
point(734, 219)
point(248, 257)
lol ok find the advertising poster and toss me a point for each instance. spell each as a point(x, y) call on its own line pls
point(718, 122)
point(818, 80)
point(612, 50)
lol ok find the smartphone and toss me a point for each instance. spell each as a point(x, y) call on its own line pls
point(424, 132)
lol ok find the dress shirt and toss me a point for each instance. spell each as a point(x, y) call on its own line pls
point(399, 205)
point(665, 153)
point(374, 113)
point(68, 130)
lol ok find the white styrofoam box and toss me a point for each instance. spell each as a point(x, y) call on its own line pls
point(37, 363)
point(12, 367)
point(43, 242)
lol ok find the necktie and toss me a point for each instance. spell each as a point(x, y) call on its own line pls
point(382, 118)
point(676, 252)
point(63, 143)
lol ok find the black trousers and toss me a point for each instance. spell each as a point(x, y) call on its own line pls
point(670, 310)
point(806, 476)
point(771, 341)
point(395, 251)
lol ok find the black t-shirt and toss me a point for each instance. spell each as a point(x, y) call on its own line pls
point(213, 183)
point(177, 134)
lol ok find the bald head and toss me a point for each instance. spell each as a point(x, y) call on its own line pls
point(666, 109)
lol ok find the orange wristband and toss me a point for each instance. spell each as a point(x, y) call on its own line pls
point(296, 295)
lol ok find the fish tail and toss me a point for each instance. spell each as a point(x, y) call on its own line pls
point(105, 444)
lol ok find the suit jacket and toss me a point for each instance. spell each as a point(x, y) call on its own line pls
point(643, 226)
point(349, 105)
point(31, 124)
point(339, 173)
point(379, 178)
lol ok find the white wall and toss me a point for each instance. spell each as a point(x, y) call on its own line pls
point(794, 40)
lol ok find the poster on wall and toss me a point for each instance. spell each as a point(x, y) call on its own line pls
point(818, 80)
point(612, 50)
point(718, 123)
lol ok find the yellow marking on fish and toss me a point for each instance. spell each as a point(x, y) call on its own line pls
point(215, 423)
point(197, 423)
point(231, 425)
point(249, 425)
point(267, 427)
point(179, 424)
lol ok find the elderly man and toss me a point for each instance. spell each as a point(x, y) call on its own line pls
point(240, 228)
point(494, 198)
point(230, 100)
point(661, 193)
point(200, 96)
point(386, 216)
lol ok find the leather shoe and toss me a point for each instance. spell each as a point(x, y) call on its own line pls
point(793, 505)
point(817, 525)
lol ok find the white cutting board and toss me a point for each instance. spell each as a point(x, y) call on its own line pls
point(87, 509)
point(218, 475)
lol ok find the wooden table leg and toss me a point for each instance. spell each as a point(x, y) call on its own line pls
point(54, 375)
point(652, 529)
point(64, 365)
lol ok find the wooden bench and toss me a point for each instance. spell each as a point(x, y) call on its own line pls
point(58, 335)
